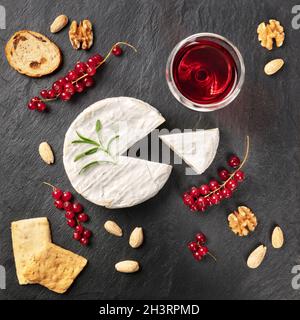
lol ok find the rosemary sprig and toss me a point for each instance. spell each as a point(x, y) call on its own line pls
point(99, 147)
point(86, 153)
point(85, 140)
point(98, 126)
point(92, 164)
point(110, 142)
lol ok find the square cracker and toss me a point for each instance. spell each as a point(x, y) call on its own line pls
point(28, 237)
point(54, 267)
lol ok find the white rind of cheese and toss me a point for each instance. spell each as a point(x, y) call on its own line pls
point(128, 181)
point(197, 148)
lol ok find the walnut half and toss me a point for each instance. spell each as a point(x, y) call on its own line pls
point(242, 221)
point(81, 35)
point(267, 33)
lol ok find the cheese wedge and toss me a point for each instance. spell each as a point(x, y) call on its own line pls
point(127, 181)
point(197, 148)
point(28, 237)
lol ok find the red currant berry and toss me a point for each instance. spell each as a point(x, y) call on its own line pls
point(188, 200)
point(68, 206)
point(79, 228)
point(201, 202)
point(207, 201)
point(67, 196)
point(57, 194)
point(62, 81)
point(51, 94)
point(202, 209)
point(41, 106)
point(213, 185)
point(76, 236)
point(79, 86)
point(77, 207)
point(186, 194)
point(91, 71)
point(83, 217)
point(35, 99)
point(59, 204)
point(219, 194)
point(88, 81)
point(195, 193)
point(80, 68)
point(87, 233)
point(200, 238)
point(234, 161)
point(71, 223)
point(57, 87)
point(65, 96)
point(117, 51)
point(32, 105)
point(73, 75)
point(226, 193)
point(239, 176)
point(214, 199)
point(69, 87)
point(197, 256)
point(97, 58)
point(204, 189)
point(84, 241)
point(44, 94)
point(193, 207)
point(193, 246)
point(70, 215)
point(231, 184)
point(91, 63)
point(202, 251)
point(223, 174)
point(67, 79)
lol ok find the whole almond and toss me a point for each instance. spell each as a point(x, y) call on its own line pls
point(273, 66)
point(136, 238)
point(59, 23)
point(127, 266)
point(256, 257)
point(277, 238)
point(112, 228)
point(46, 153)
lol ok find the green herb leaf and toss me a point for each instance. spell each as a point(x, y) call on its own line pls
point(110, 142)
point(98, 126)
point(92, 164)
point(86, 153)
point(87, 140)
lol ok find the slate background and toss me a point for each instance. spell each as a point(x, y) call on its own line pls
point(267, 109)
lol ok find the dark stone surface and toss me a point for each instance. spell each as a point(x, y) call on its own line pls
point(267, 109)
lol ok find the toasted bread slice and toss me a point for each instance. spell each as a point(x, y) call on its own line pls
point(32, 54)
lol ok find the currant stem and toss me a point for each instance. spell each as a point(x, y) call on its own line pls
point(212, 256)
point(239, 168)
point(50, 185)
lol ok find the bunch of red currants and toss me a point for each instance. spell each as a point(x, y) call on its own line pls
point(76, 81)
point(197, 247)
point(73, 213)
point(200, 198)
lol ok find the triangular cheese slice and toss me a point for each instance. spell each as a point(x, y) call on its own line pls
point(128, 181)
point(197, 148)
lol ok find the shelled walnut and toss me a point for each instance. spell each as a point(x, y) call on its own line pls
point(267, 33)
point(81, 35)
point(242, 221)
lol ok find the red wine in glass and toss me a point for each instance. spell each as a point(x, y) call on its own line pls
point(204, 71)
